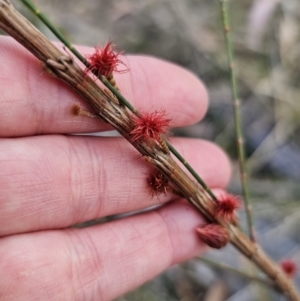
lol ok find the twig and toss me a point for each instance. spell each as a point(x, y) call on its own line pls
point(110, 110)
point(242, 273)
point(238, 122)
point(115, 91)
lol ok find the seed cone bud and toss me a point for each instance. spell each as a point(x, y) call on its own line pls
point(215, 236)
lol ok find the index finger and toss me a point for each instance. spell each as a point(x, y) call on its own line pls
point(33, 102)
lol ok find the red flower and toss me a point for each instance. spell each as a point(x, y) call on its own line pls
point(158, 183)
point(150, 126)
point(289, 267)
point(105, 61)
point(213, 235)
point(226, 206)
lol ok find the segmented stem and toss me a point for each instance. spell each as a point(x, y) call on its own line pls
point(115, 91)
point(240, 272)
point(71, 47)
point(191, 170)
point(237, 119)
point(116, 114)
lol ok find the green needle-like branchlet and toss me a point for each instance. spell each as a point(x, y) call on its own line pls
point(154, 152)
point(240, 272)
point(237, 119)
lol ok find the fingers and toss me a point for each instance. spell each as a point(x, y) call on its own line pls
point(33, 102)
point(99, 262)
point(56, 181)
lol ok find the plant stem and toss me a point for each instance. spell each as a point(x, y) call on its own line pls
point(110, 110)
point(237, 119)
point(232, 269)
point(120, 97)
point(71, 47)
point(191, 170)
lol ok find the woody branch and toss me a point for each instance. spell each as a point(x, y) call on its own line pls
point(107, 107)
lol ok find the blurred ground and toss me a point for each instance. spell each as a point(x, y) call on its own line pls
point(266, 40)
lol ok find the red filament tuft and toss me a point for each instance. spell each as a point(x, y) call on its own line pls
point(213, 235)
point(105, 61)
point(150, 126)
point(289, 267)
point(158, 183)
point(226, 206)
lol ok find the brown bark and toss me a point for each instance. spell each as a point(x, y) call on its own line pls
point(108, 108)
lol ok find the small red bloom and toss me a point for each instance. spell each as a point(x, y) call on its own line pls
point(289, 267)
point(158, 183)
point(213, 235)
point(150, 126)
point(226, 206)
point(105, 61)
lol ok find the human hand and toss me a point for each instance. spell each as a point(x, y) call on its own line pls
point(50, 181)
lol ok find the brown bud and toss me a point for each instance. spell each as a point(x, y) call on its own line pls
point(214, 235)
point(75, 109)
point(158, 183)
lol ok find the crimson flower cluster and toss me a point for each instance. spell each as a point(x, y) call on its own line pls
point(150, 126)
point(105, 61)
point(226, 206)
point(214, 235)
point(158, 183)
point(289, 267)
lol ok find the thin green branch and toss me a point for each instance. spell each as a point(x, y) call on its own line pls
point(117, 115)
point(237, 119)
point(191, 170)
point(120, 97)
point(240, 272)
